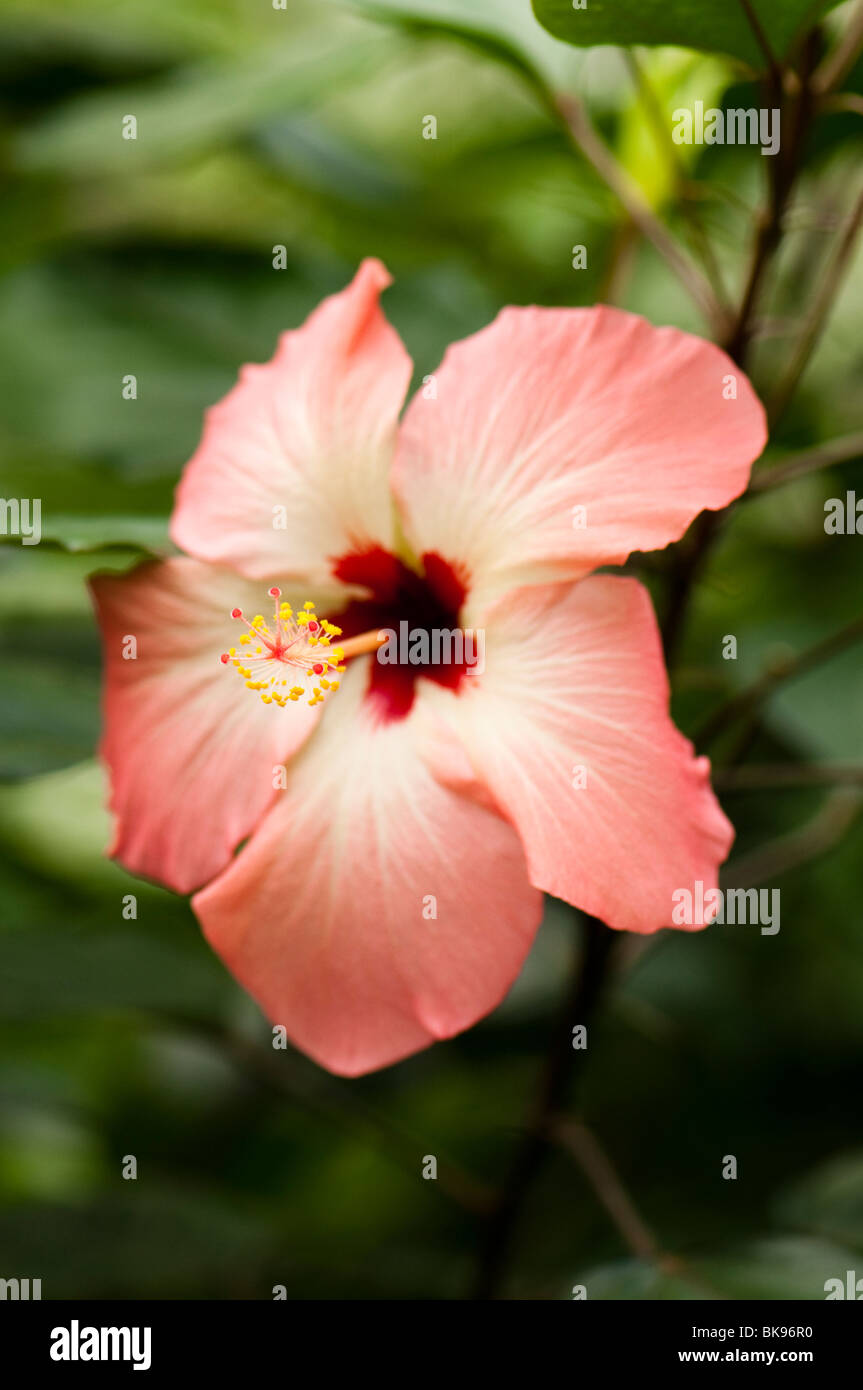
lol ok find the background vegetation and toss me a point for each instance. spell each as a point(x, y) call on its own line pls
point(303, 127)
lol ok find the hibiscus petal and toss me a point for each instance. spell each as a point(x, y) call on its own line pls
point(548, 411)
point(292, 468)
point(569, 730)
point(374, 910)
point(191, 752)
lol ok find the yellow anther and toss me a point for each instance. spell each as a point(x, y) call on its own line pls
point(289, 644)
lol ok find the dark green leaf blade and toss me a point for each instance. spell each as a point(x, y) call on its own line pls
point(718, 26)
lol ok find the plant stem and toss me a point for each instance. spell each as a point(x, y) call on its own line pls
point(849, 446)
point(687, 561)
point(841, 60)
point(563, 1066)
point(669, 152)
point(818, 836)
point(819, 312)
point(689, 557)
point(757, 777)
point(747, 701)
point(629, 195)
point(783, 169)
point(331, 1102)
point(588, 1153)
point(762, 41)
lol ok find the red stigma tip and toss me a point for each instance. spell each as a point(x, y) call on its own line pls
point(313, 627)
point(275, 593)
point(318, 669)
point(236, 612)
point(224, 658)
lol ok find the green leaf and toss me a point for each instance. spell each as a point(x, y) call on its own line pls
point(64, 903)
point(634, 1281)
point(156, 1241)
point(196, 107)
point(121, 967)
point(76, 533)
point(502, 29)
point(49, 695)
point(829, 1201)
point(62, 819)
point(718, 26)
point(787, 1267)
point(89, 533)
point(645, 150)
point(140, 31)
point(47, 1155)
point(182, 326)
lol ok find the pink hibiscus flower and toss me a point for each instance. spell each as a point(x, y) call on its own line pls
point(399, 832)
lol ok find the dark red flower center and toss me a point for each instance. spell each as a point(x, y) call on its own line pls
point(428, 603)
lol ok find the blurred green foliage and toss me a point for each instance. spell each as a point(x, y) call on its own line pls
point(303, 127)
